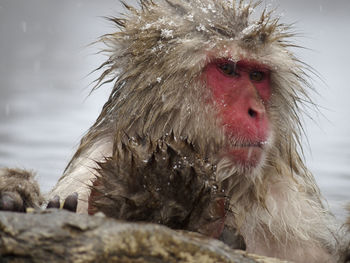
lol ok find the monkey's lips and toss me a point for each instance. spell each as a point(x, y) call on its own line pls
point(248, 154)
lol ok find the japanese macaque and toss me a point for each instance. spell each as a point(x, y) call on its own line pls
point(202, 131)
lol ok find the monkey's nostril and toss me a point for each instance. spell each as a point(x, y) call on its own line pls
point(252, 113)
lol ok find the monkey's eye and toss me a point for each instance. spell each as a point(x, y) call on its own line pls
point(228, 69)
point(256, 75)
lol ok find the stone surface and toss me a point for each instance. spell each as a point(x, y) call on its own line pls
point(61, 236)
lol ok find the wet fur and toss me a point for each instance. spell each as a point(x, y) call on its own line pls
point(155, 62)
point(18, 190)
point(172, 186)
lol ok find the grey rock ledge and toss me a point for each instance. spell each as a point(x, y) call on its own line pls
point(61, 236)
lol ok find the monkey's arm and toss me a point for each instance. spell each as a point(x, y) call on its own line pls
point(80, 172)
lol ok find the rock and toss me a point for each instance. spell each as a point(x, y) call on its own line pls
point(61, 236)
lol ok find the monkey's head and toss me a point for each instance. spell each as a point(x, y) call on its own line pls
point(209, 74)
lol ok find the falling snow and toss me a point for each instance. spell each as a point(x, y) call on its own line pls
point(24, 26)
point(147, 26)
point(167, 33)
point(205, 10)
point(201, 27)
point(249, 29)
point(190, 17)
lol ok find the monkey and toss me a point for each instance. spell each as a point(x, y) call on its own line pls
point(202, 131)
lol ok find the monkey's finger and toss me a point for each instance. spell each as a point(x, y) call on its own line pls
point(71, 202)
point(54, 202)
point(11, 202)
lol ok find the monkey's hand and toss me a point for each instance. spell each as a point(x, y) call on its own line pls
point(70, 203)
point(18, 190)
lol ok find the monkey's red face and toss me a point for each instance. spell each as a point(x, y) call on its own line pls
point(242, 92)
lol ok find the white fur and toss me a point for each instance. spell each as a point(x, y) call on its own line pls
point(293, 227)
point(80, 175)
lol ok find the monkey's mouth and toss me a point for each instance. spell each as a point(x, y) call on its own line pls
point(248, 154)
point(251, 144)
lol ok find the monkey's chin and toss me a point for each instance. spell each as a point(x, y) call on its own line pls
point(248, 157)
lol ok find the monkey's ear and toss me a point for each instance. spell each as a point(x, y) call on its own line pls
point(18, 190)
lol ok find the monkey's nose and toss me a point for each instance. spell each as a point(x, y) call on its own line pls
point(252, 113)
point(257, 112)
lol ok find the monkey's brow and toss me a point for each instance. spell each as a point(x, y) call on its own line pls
point(251, 65)
point(243, 65)
point(251, 69)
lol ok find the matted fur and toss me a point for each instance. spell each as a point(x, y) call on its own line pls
point(19, 190)
point(155, 61)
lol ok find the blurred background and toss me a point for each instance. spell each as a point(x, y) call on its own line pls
point(45, 63)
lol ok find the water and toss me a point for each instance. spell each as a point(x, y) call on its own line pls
point(44, 87)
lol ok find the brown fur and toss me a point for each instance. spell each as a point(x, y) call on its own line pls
point(18, 190)
point(158, 104)
point(173, 187)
